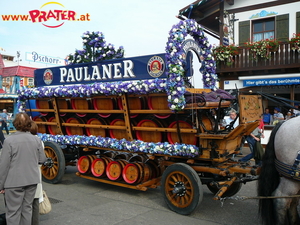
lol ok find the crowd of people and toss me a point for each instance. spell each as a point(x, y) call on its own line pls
point(270, 119)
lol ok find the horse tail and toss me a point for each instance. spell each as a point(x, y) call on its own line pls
point(268, 180)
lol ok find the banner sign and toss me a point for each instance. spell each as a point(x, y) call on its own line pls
point(38, 58)
point(135, 68)
point(273, 81)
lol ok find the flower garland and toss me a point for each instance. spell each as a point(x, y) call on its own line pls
point(176, 62)
point(88, 90)
point(136, 146)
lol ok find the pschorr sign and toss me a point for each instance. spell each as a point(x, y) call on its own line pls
point(274, 81)
point(38, 58)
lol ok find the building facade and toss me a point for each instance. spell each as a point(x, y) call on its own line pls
point(236, 22)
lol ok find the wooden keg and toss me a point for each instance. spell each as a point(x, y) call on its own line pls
point(137, 158)
point(71, 130)
point(134, 103)
point(63, 104)
point(99, 165)
point(42, 128)
point(104, 104)
point(96, 131)
point(150, 136)
point(84, 163)
point(53, 129)
point(81, 104)
point(136, 173)
point(124, 155)
point(115, 168)
point(159, 103)
point(155, 169)
point(43, 104)
point(206, 122)
point(187, 138)
point(118, 133)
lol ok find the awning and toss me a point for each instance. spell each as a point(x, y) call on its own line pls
point(267, 80)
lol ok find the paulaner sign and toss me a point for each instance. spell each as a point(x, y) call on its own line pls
point(135, 68)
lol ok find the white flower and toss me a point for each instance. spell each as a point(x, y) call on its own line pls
point(176, 100)
point(173, 107)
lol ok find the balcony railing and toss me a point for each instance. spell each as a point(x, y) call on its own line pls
point(284, 58)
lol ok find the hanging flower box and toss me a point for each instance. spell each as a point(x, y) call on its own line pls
point(295, 42)
point(263, 48)
point(225, 53)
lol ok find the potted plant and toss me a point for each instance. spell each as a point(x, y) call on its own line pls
point(225, 53)
point(262, 48)
point(295, 42)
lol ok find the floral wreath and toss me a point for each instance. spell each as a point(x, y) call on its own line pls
point(176, 62)
point(174, 85)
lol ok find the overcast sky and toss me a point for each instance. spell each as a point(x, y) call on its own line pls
point(140, 26)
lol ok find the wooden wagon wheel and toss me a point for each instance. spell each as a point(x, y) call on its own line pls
point(232, 190)
point(54, 169)
point(181, 188)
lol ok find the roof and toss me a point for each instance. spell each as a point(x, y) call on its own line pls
point(206, 13)
point(11, 68)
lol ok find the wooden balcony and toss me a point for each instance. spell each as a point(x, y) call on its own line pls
point(285, 60)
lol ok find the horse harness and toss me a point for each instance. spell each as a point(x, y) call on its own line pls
point(289, 171)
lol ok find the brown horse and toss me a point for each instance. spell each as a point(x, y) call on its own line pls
point(280, 175)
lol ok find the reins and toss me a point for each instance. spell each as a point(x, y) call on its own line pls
point(242, 198)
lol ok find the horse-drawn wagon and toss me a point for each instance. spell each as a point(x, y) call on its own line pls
point(120, 127)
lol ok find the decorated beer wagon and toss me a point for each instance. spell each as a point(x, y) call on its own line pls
point(137, 122)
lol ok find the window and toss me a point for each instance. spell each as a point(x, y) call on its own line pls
point(30, 81)
point(7, 79)
point(263, 29)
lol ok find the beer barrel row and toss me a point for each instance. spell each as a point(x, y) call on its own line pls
point(147, 136)
point(119, 169)
point(134, 103)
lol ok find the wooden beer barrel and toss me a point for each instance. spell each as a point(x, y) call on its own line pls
point(75, 130)
point(103, 104)
point(43, 104)
point(96, 131)
point(187, 138)
point(137, 158)
point(99, 165)
point(52, 128)
point(84, 163)
point(134, 103)
point(159, 102)
point(116, 133)
point(131, 173)
point(125, 156)
point(149, 136)
point(63, 104)
point(41, 127)
point(136, 173)
point(155, 169)
point(115, 168)
point(81, 104)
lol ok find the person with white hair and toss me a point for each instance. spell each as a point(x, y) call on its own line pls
point(232, 117)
